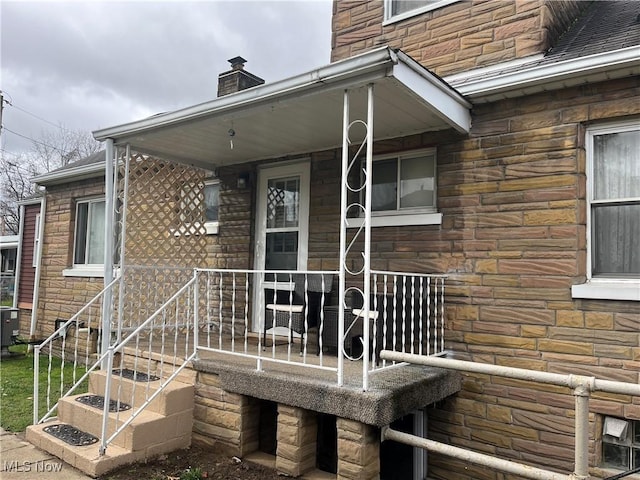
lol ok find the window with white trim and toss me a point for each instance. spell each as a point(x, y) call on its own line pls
point(613, 216)
point(88, 248)
point(211, 205)
point(396, 10)
point(404, 183)
point(403, 190)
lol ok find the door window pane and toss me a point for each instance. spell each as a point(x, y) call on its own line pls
point(283, 203)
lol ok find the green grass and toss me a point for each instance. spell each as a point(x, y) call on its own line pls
point(6, 302)
point(16, 386)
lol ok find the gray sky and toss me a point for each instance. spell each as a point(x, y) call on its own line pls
point(88, 65)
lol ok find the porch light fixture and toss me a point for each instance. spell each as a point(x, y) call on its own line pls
point(243, 180)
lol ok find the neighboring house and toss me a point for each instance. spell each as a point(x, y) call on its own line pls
point(27, 267)
point(8, 254)
point(498, 143)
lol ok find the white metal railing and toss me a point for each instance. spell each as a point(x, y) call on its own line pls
point(581, 387)
point(171, 333)
point(406, 315)
point(72, 348)
point(289, 304)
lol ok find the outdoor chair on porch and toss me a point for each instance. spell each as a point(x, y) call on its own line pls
point(297, 311)
point(393, 322)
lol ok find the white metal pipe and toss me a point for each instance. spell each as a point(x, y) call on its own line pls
point(571, 381)
point(36, 285)
point(123, 234)
point(343, 232)
point(36, 384)
point(507, 466)
point(196, 308)
point(367, 240)
point(108, 247)
point(581, 469)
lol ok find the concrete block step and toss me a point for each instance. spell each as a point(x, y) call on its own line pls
point(145, 430)
point(85, 458)
point(175, 398)
point(88, 459)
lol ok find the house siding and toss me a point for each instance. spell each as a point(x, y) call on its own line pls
point(456, 38)
point(60, 296)
point(27, 270)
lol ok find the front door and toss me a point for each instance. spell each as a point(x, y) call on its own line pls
point(282, 226)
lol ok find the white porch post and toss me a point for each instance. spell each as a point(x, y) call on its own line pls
point(123, 234)
point(362, 189)
point(367, 239)
point(343, 233)
point(108, 247)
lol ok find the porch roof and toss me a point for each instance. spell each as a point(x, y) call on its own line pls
point(300, 114)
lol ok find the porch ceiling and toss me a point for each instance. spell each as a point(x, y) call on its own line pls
point(300, 114)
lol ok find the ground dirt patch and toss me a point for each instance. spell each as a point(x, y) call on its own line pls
point(184, 463)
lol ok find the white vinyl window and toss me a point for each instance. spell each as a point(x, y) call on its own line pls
point(403, 190)
point(613, 215)
point(396, 10)
point(88, 246)
point(211, 205)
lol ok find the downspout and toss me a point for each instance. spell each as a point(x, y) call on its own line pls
point(108, 248)
point(36, 284)
point(16, 279)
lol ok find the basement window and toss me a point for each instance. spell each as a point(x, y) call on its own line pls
point(620, 443)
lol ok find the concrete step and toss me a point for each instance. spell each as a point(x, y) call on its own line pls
point(146, 429)
point(85, 458)
point(175, 398)
point(164, 426)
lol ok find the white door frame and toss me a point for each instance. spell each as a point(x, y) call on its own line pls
point(265, 173)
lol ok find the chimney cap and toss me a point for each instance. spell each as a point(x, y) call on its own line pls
point(237, 62)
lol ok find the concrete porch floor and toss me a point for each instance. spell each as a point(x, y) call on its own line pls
point(393, 392)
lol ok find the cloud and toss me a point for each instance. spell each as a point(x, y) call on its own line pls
point(93, 64)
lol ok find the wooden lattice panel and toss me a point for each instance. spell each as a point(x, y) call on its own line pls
point(165, 213)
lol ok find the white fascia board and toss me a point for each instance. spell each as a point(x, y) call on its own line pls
point(69, 174)
point(541, 74)
point(444, 102)
point(354, 70)
point(30, 201)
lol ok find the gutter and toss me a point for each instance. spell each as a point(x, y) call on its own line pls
point(539, 74)
point(64, 176)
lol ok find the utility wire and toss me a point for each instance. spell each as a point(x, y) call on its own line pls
point(32, 139)
point(36, 116)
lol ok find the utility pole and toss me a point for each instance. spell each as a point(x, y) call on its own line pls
point(1, 108)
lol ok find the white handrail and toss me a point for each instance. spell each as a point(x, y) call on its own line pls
point(581, 385)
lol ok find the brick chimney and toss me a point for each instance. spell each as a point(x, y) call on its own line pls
point(237, 78)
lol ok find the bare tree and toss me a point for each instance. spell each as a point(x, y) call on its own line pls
point(49, 152)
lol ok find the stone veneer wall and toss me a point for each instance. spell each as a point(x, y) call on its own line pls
point(513, 241)
point(60, 296)
point(459, 37)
